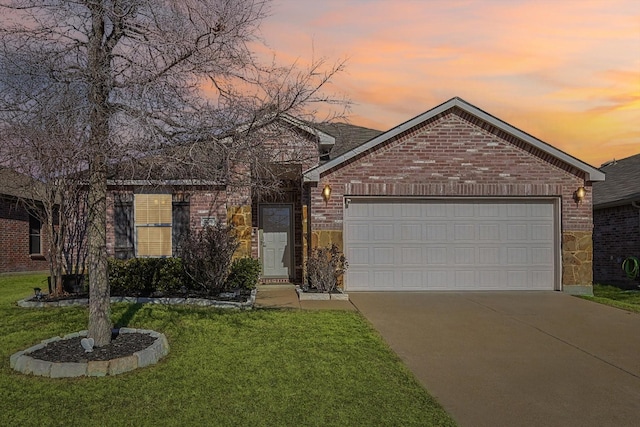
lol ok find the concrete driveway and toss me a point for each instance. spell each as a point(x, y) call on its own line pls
point(515, 359)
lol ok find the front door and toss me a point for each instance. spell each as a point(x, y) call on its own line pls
point(275, 224)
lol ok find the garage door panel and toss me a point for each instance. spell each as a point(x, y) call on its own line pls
point(411, 255)
point(464, 255)
point(518, 232)
point(383, 232)
point(358, 257)
point(436, 232)
point(464, 231)
point(384, 255)
point(411, 231)
point(489, 232)
point(541, 232)
point(358, 233)
point(436, 255)
point(489, 255)
point(411, 279)
point(458, 244)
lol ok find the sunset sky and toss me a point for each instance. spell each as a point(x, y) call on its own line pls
point(565, 71)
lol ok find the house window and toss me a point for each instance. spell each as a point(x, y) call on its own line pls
point(35, 236)
point(153, 223)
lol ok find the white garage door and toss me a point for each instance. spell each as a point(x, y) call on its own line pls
point(411, 244)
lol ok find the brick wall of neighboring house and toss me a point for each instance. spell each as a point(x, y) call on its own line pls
point(451, 155)
point(14, 240)
point(616, 236)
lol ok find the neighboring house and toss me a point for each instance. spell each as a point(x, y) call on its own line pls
point(22, 242)
point(453, 199)
point(616, 217)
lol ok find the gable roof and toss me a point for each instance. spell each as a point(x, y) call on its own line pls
point(16, 184)
point(621, 186)
point(347, 136)
point(592, 174)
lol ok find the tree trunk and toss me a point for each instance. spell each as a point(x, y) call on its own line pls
point(99, 292)
point(98, 67)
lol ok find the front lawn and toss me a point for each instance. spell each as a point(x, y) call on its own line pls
point(616, 297)
point(225, 368)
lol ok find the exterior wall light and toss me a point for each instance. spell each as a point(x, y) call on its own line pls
point(326, 193)
point(579, 194)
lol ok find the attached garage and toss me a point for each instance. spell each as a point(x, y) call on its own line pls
point(442, 244)
point(456, 199)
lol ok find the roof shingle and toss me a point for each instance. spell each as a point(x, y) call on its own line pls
point(622, 184)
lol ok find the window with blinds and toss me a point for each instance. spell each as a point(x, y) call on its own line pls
point(153, 214)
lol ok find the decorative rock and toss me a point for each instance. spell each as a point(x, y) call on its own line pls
point(68, 370)
point(14, 359)
point(202, 302)
point(97, 368)
point(38, 367)
point(122, 365)
point(22, 362)
point(87, 344)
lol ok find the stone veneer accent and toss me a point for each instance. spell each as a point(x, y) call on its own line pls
point(22, 362)
point(324, 238)
point(577, 262)
point(240, 218)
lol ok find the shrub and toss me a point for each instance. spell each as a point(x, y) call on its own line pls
point(144, 276)
point(206, 256)
point(324, 267)
point(244, 273)
point(171, 277)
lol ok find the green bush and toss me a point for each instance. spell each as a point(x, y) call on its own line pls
point(144, 276)
point(244, 273)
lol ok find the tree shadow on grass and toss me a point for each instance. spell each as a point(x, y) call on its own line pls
point(126, 317)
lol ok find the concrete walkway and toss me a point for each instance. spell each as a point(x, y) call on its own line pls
point(516, 359)
point(285, 296)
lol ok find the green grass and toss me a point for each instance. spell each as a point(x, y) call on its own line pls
point(616, 297)
point(225, 368)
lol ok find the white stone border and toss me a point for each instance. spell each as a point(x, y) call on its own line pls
point(320, 296)
point(203, 302)
point(22, 362)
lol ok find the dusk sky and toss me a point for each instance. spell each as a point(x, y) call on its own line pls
point(564, 71)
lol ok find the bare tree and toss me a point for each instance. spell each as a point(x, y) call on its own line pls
point(148, 77)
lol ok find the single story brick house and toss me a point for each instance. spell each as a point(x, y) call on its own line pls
point(22, 242)
point(616, 218)
point(453, 199)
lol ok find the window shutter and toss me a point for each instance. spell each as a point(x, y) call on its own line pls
point(123, 227)
point(181, 217)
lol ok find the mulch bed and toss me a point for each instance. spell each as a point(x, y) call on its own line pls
point(71, 351)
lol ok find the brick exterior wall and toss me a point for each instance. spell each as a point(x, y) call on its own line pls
point(454, 154)
point(616, 236)
point(14, 240)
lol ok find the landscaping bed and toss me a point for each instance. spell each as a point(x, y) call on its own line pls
point(226, 367)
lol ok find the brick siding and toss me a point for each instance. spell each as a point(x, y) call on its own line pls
point(450, 157)
point(616, 236)
point(14, 240)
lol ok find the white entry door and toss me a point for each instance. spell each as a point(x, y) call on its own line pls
point(413, 244)
point(275, 224)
